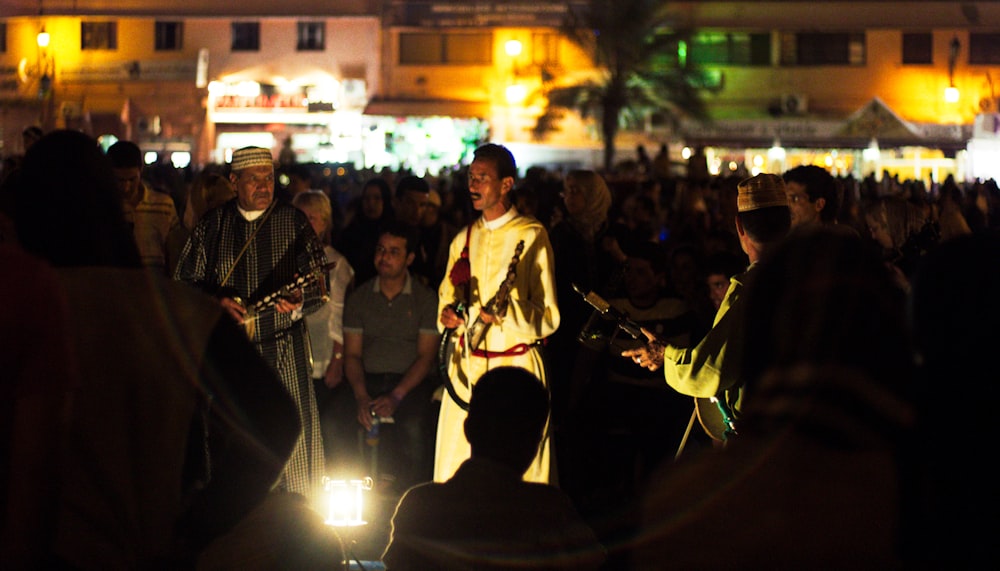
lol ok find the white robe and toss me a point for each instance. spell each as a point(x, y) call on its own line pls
point(532, 315)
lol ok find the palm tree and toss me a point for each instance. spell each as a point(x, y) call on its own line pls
point(637, 69)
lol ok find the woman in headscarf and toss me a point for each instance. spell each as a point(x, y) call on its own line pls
point(358, 240)
point(581, 259)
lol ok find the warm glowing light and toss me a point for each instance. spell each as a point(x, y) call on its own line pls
point(776, 153)
point(247, 89)
point(516, 93)
point(872, 153)
point(150, 157)
point(951, 94)
point(686, 153)
point(180, 159)
point(343, 499)
point(43, 38)
point(513, 48)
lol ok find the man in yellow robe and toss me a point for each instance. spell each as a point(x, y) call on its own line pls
point(481, 258)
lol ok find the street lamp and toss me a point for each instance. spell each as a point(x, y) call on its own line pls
point(951, 93)
point(513, 48)
point(42, 38)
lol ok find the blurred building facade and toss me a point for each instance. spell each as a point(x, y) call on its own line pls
point(863, 86)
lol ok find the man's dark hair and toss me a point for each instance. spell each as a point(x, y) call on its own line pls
point(507, 415)
point(403, 230)
point(67, 207)
point(819, 183)
point(766, 225)
point(501, 157)
point(125, 155)
point(411, 182)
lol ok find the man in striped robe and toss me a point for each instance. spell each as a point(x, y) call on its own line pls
point(246, 250)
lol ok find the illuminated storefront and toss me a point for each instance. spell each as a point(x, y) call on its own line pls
point(872, 141)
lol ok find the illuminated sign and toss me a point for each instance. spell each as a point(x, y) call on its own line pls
point(134, 70)
point(252, 102)
point(260, 96)
point(466, 14)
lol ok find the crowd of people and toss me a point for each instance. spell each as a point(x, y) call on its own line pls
point(617, 370)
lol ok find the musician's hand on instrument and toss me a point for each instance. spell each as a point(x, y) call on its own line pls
point(650, 355)
point(487, 317)
point(450, 318)
point(234, 308)
point(290, 303)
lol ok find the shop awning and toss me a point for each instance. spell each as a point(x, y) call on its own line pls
point(873, 121)
point(877, 121)
point(427, 108)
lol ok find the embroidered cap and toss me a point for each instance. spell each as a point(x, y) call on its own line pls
point(251, 157)
point(761, 191)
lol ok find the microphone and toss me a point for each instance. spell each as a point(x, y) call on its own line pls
point(605, 309)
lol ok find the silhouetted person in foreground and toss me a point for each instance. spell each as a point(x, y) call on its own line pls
point(951, 491)
point(177, 429)
point(813, 478)
point(486, 516)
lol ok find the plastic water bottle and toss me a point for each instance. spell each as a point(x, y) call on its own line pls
point(371, 437)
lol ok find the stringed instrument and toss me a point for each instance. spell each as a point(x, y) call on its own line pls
point(715, 418)
point(254, 310)
point(475, 334)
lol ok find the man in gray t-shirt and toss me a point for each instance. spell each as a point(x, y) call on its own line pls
point(390, 344)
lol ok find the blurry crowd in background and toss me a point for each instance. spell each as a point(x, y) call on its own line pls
point(662, 247)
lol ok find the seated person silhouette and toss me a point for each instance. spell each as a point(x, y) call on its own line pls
point(486, 516)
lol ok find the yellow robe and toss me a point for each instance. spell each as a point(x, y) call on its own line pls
point(532, 315)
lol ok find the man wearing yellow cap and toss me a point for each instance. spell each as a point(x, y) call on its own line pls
point(243, 253)
point(710, 371)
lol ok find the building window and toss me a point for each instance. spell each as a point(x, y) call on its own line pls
point(737, 48)
point(445, 49)
point(246, 37)
point(918, 48)
point(169, 36)
point(984, 49)
point(823, 49)
point(545, 49)
point(312, 36)
point(468, 49)
point(416, 49)
point(98, 35)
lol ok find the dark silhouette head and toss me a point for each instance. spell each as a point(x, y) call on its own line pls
point(125, 154)
point(824, 309)
point(825, 298)
point(67, 204)
point(507, 416)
